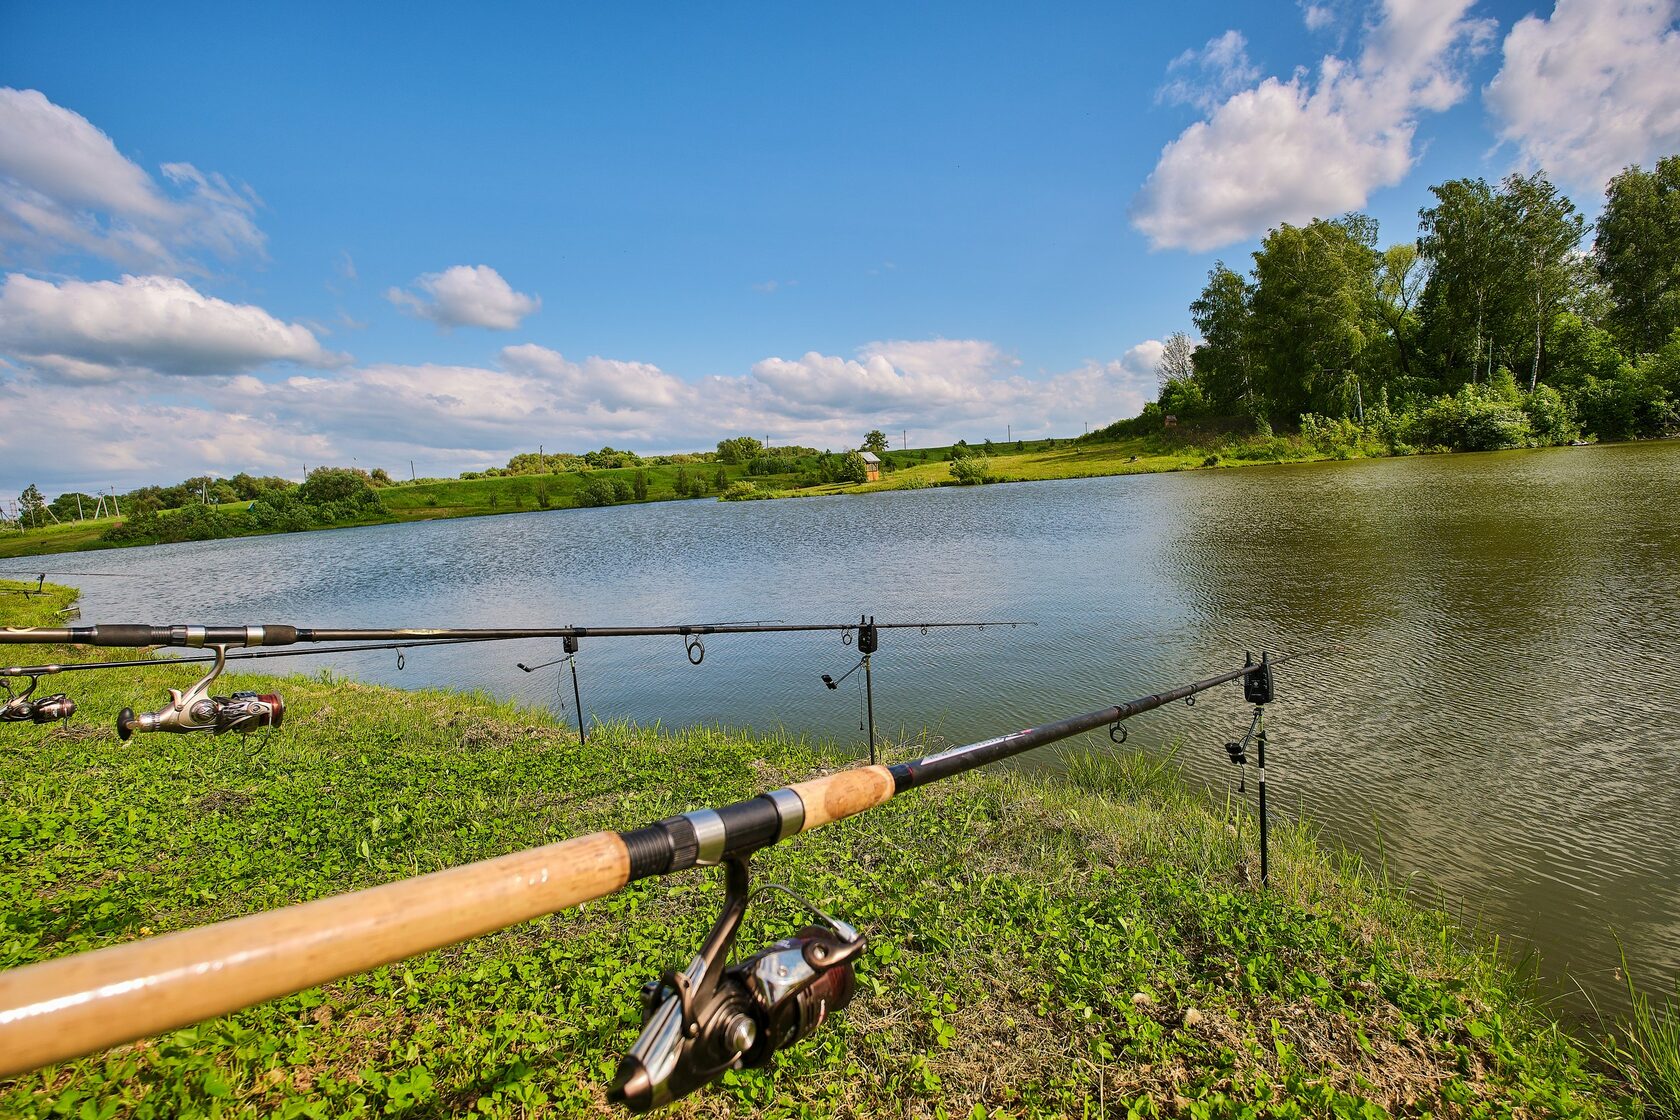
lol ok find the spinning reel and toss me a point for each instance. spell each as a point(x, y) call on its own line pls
point(196, 710)
point(21, 709)
point(714, 1016)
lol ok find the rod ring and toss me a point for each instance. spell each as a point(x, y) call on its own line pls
point(695, 648)
point(1120, 726)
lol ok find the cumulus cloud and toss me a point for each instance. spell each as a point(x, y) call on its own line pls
point(1592, 88)
point(102, 331)
point(466, 296)
point(66, 189)
point(111, 437)
point(1291, 150)
point(1206, 77)
point(456, 417)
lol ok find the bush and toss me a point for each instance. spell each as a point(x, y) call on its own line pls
point(1549, 416)
point(1473, 419)
point(596, 492)
point(744, 492)
point(335, 484)
point(622, 490)
point(971, 471)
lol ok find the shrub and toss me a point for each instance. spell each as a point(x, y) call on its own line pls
point(1549, 416)
point(742, 492)
point(622, 490)
point(596, 492)
point(971, 471)
point(1473, 419)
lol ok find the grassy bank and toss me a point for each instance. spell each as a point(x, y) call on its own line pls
point(1080, 947)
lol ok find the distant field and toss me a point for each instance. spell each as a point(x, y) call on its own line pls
point(72, 536)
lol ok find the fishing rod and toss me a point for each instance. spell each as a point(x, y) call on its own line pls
point(127, 636)
point(197, 709)
point(698, 1022)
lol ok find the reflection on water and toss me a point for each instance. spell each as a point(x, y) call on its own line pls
point(1501, 723)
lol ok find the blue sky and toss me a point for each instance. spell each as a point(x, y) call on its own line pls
point(447, 234)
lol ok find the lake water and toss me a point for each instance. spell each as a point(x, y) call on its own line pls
point(1503, 723)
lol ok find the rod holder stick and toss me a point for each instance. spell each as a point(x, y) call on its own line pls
point(869, 640)
point(570, 644)
point(869, 705)
point(577, 700)
point(1260, 765)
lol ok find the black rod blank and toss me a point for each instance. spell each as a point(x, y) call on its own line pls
point(192, 635)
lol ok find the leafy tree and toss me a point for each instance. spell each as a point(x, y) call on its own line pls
point(1315, 305)
point(1580, 352)
point(333, 484)
point(31, 505)
point(741, 449)
point(1544, 230)
point(640, 486)
point(1401, 273)
point(1463, 239)
point(1183, 397)
point(1637, 252)
point(875, 441)
point(1223, 363)
point(65, 505)
point(681, 483)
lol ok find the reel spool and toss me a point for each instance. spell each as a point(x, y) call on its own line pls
point(712, 1016)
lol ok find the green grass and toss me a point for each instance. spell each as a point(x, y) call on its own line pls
point(1090, 945)
point(71, 536)
point(1647, 1045)
point(429, 499)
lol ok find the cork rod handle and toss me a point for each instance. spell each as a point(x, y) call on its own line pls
point(81, 1004)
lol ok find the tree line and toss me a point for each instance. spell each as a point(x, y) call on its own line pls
point(1494, 327)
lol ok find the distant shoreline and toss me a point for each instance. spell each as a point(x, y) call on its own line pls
point(437, 500)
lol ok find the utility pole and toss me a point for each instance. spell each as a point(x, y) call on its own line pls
point(1010, 428)
point(78, 507)
point(904, 436)
point(411, 470)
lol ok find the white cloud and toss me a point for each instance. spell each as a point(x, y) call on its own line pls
point(102, 331)
point(111, 437)
point(466, 296)
point(1292, 150)
point(454, 418)
point(66, 189)
point(1208, 76)
point(1591, 89)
